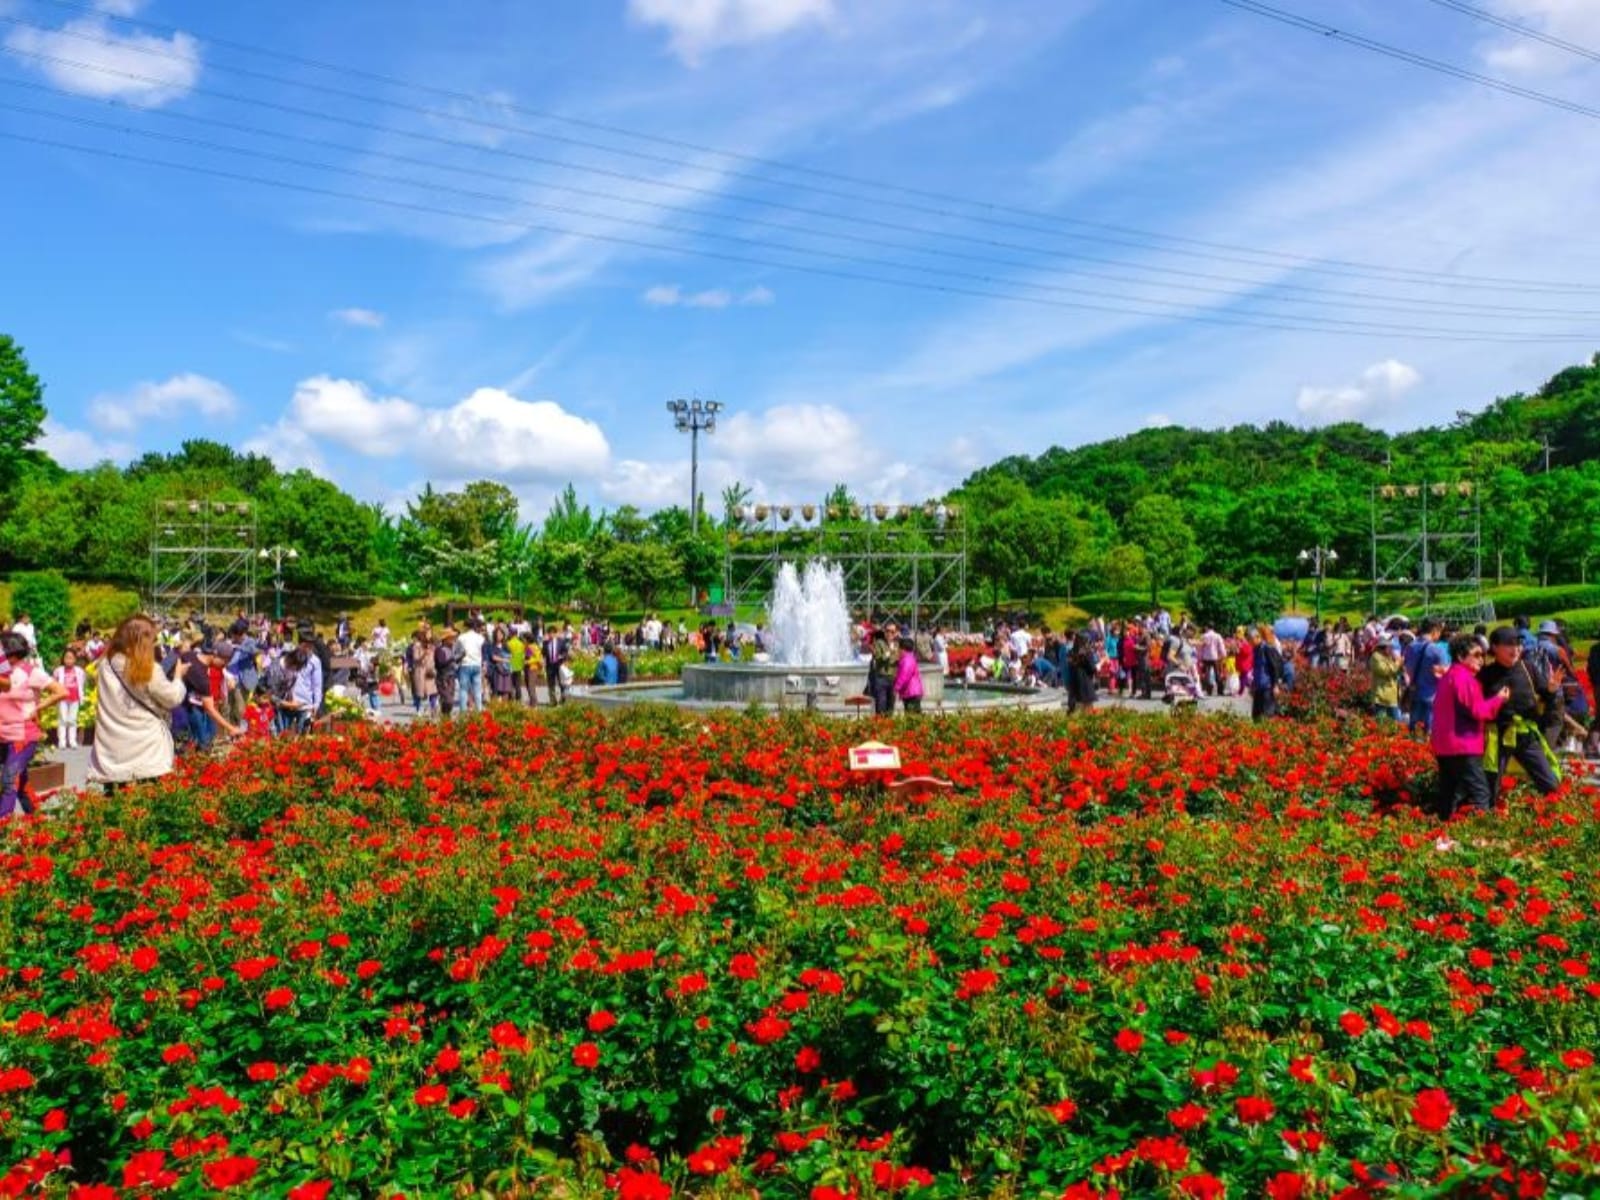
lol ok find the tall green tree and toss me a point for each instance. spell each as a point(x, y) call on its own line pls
point(1157, 526)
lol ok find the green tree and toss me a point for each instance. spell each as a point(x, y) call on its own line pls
point(1156, 525)
point(46, 524)
point(332, 532)
point(561, 568)
point(643, 569)
point(47, 600)
point(22, 411)
point(700, 559)
point(628, 524)
point(569, 521)
point(1123, 569)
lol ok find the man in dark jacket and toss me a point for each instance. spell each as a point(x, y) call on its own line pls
point(1516, 732)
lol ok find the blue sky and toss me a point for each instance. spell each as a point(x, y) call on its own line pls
point(386, 336)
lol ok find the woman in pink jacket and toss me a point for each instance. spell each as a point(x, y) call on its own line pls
point(908, 679)
point(1459, 711)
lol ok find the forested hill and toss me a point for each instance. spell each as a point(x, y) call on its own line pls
point(1253, 496)
point(1178, 461)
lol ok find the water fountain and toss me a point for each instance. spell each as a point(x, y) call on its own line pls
point(813, 660)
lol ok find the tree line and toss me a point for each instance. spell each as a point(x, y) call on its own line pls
point(1151, 511)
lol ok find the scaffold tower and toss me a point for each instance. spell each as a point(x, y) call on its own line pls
point(203, 557)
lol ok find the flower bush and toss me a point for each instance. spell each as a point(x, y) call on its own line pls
point(662, 954)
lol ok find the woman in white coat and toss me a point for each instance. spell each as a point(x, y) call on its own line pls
point(133, 725)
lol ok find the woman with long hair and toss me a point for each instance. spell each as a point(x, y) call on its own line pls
point(133, 725)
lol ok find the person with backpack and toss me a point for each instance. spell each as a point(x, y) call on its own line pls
point(1518, 729)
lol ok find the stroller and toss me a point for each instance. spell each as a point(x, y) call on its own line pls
point(1181, 688)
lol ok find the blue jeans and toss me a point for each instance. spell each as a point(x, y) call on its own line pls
point(1422, 714)
point(202, 728)
point(14, 778)
point(471, 687)
point(1391, 711)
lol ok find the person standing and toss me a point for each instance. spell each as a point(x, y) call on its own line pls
point(517, 649)
point(1384, 667)
point(1266, 673)
point(133, 727)
point(72, 681)
point(1457, 736)
point(470, 666)
point(447, 665)
point(1426, 661)
point(424, 673)
point(554, 649)
point(881, 673)
point(1212, 652)
point(28, 687)
point(24, 625)
point(244, 665)
point(908, 677)
point(1516, 733)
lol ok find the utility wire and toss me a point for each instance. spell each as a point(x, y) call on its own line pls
point(1314, 297)
point(780, 264)
point(1276, 259)
point(1520, 29)
point(966, 277)
point(1419, 60)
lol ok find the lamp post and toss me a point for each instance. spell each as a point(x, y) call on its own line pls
point(691, 416)
point(1319, 558)
point(278, 555)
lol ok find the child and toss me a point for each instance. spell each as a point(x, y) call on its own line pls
point(28, 687)
point(1230, 675)
point(258, 713)
point(73, 682)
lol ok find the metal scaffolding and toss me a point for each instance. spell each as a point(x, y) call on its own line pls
point(1427, 550)
point(899, 560)
point(203, 557)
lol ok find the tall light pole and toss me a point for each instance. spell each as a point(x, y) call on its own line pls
point(1319, 558)
point(278, 555)
point(691, 416)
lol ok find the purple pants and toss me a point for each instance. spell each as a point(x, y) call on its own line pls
point(14, 778)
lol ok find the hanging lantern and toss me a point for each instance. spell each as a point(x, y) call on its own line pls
point(786, 511)
point(855, 512)
point(808, 511)
point(1412, 491)
point(880, 511)
point(1440, 489)
point(1387, 491)
point(1464, 488)
point(905, 511)
point(833, 512)
point(761, 512)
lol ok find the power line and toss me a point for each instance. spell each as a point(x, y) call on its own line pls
point(1316, 297)
point(779, 264)
point(1332, 324)
point(1520, 29)
point(1276, 259)
point(1419, 60)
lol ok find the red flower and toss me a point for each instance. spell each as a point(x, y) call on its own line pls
point(144, 958)
point(1202, 1186)
point(1577, 1060)
point(316, 1190)
point(507, 1036)
point(1432, 1110)
point(807, 1060)
point(641, 1185)
point(1353, 1023)
point(767, 1029)
point(601, 1021)
point(586, 1055)
point(1190, 1116)
point(1286, 1185)
point(55, 1120)
point(229, 1172)
point(1129, 1041)
point(278, 997)
point(1253, 1110)
point(177, 1052)
point(262, 1072)
point(1062, 1110)
point(430, 1094)
point(92, 1191)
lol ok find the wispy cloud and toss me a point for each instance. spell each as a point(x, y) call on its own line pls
point(357, 318)
point(671, 295)
point(89, 57)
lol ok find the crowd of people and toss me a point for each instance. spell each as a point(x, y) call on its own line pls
point(1485, 699)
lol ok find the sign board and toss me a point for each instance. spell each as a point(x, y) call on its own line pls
point(874, 756)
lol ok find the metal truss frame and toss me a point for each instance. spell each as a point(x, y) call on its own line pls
point(905, 561)
point(1427, 549)
point(203, 557)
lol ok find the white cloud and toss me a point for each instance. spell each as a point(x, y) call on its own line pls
point(1576, 21)
point(492, 432)
point(798, 443)
point(123, 412)
point(1158, 421)
point(670, 295)
point(649, 485)
point(696, 27)
point(357, 318)
point(76, 449)
point(1380, 384)
point(289, 447)
point(88, 58)
point(344, 411)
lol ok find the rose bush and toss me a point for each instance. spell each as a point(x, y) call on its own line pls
point(555, 953)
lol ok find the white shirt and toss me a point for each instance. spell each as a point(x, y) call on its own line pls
point(380, 638)
point(25, 628)
point(471, 643)
point(1020, 641)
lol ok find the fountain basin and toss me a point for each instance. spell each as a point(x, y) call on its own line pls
point(777, 684)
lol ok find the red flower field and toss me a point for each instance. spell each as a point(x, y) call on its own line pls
point(654, 955)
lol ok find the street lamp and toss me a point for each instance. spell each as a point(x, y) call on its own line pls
point(691, 416)
point(278, 555)
point(1320, 558)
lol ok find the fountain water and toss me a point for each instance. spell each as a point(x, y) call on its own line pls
point(809, 620)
